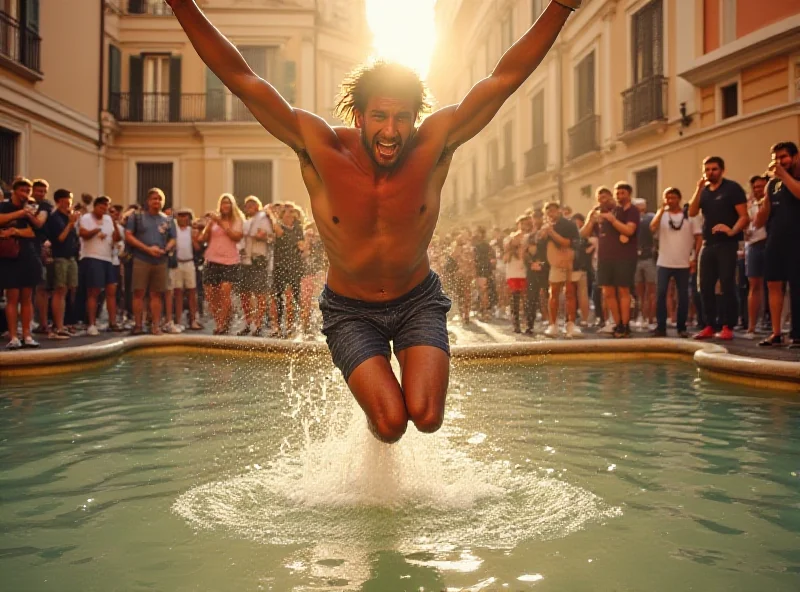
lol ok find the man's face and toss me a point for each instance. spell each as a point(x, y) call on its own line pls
point(100, 209)
point(623, 196)
point(21, 194)
point(553, 214)
point(673, 201)
point(183, 220)
point(64, 205)
point(154, 203)
point(251, 209)
point(287, 217)
point(526, 225)
point(115, 214)
point(39, 192)
point(642, 207)
point(713, 172)
point(787, 161)
point(759, 187)
point(605, 201)
point(387, 126)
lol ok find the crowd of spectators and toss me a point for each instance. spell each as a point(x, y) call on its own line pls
point(149, 269)
point(702, 263)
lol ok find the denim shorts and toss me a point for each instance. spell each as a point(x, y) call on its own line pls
point(357, 330)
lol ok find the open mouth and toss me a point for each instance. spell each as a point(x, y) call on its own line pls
point(386, 150)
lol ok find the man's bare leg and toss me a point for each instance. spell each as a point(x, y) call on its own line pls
point(377, 391)
point(425, 374)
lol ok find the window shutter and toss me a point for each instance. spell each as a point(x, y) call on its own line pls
point(215, 97)
point(175, 88)
point(114, 79)
point(136, 6)
point(289, 90)
point(32, 15)
point(135, 88)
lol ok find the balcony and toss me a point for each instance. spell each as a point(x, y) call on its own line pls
point(644, 103)
point(583, 136)
point(178, 108)
point(20, 48)
point(536, 160)
point(146, 7)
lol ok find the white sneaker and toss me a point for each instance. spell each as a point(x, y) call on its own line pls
point(608, 329)
point(172, 328)
point(652, 327)
point(551, 331)
point(92, 330)
point(30, 342)
point(14, 344)
point(572, 330)
point(749, 335)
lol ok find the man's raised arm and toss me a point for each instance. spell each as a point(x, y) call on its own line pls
point(221, 56)
point(484, 100)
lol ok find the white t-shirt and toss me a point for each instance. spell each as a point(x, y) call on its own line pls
point(756, 234)
point(118, 247)
point(251, 246)
point(675, 246)
point(185, 249)
point(96, 247)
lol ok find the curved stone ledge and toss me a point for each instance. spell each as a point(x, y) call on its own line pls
point(710, 358)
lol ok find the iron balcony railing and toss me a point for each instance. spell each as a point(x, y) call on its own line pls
point(148, 7)
point(177, 107)
point(19, 43)
point(536, 160)
point(583, 136)
point(645, 102)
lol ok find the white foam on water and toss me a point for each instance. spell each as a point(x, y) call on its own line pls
point(339, 485)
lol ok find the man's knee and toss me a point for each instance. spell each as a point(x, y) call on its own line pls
point(389, 428)
point(425, 411)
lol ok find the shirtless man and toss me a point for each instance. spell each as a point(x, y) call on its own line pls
point(375, 194)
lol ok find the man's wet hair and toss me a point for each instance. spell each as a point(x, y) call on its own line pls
point(623, 185)
point(383, 78)
point(756, 178)
point(101, 199)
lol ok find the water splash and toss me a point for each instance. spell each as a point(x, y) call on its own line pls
point(339, 485)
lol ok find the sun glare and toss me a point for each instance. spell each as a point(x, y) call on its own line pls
point(403, 31)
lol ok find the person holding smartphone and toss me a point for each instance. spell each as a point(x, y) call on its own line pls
point(723, 204)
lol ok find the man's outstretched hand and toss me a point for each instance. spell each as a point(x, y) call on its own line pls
point(571, 4)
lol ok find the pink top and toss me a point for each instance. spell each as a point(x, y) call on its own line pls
point(221, 249)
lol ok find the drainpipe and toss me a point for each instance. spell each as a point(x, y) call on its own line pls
point(560, 119)
point(101, 189)
point(100, 77)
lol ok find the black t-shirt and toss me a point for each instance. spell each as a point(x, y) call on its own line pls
point(644, 236)
point(719, 207)
point(55, 225)
point(41, 233)
point(483, 259)
point(784, 215)
point(27, 247)
point(287, 255)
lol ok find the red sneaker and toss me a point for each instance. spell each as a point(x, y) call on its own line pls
point(706, 333)
point(726, 334)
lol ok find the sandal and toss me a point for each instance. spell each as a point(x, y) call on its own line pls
point(772, 340)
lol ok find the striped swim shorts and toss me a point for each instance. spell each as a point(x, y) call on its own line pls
point(357, 330)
